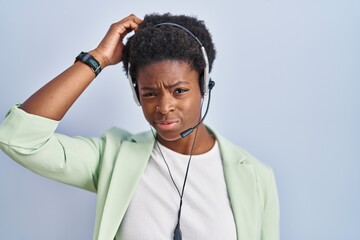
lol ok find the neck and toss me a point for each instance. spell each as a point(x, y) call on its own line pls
point(204, 142)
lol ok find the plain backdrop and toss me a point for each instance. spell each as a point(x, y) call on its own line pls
point(287, 90)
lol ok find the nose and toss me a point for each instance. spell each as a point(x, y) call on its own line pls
point(165, 104)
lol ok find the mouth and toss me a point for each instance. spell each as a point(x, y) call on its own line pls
point(167, 124)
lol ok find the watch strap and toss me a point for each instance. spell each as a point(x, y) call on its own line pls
point(89, 60)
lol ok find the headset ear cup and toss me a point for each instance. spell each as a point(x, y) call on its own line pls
point(201, 84)
point(133, 86)
point(136, 88)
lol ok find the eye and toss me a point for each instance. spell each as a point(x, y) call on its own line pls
point(180, 90)
point(149, 94)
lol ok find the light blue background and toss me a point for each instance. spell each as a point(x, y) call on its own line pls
point(287, 89)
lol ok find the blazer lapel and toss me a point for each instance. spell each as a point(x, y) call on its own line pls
point(129, 167)
point(241, 185)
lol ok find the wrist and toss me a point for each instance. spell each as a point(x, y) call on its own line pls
point(91, 61)
point(101, 59)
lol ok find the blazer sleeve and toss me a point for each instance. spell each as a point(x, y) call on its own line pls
point(32, 142)
point(271, 215)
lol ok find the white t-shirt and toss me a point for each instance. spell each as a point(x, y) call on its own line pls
point(206, 211)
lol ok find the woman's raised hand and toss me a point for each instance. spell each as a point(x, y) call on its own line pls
point(110, 49)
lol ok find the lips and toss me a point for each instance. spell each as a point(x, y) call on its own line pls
point(167, 124)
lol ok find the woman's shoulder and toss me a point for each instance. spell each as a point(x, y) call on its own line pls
point(120, 134)
point(233, 153)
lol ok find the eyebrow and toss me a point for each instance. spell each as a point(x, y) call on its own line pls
point(167, 87)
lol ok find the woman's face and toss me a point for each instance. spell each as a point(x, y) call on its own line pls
point(170, 97)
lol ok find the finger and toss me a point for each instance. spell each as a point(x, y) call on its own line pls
point(130, 18)
point(131, 22)
point(125, 26)
point(135, 18)
point(131, 25)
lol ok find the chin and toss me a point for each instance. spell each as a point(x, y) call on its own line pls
point(169, 137)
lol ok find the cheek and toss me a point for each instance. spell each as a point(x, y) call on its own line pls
point(147, 112)
point(192, 108)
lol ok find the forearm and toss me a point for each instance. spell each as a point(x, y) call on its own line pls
point(55, 98)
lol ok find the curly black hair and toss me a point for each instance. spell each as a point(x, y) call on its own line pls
point(154, 44)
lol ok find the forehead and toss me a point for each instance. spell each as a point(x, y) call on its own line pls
point(166, 72)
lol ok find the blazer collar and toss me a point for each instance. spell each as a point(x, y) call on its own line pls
point(241, 185)
point(126, 175)
point(230, 153)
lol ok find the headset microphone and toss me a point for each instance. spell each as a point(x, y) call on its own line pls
point(190, 130)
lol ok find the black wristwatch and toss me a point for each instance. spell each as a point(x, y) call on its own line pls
point(90, 61)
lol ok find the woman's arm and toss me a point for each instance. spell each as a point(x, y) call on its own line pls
point(55, 98)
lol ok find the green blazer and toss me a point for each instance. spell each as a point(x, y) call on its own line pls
point(112, 167)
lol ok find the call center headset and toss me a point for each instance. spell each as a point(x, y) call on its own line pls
point(207, 84)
